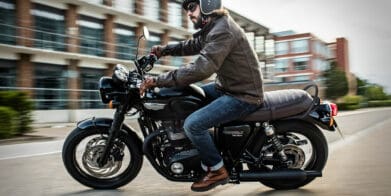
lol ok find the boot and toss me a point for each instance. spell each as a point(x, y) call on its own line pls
point(211, 180)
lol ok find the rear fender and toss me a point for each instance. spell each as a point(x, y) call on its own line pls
point(105, 123)
point(321, 115)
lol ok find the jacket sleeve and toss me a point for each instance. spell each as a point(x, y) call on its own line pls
point(212, 56)
point(183, 48)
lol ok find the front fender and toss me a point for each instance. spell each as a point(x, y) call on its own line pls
point(106, 123)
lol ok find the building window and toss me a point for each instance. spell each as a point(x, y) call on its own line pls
point(176, 61)
point(7, 22)
point(154, 39)
point(50, 28)
point(96, 1)
point(300, 46)
point(281, 66)
point(300, 64)
point(259, 44)
point(7, 73)
point(125, 42)
point(124, 5)
point(91, 36)
point(300, 78)
point(269, 47)
point(51, 83)
point(175, 14)
point(152, 9)
point(89, 96)
point(282, 48)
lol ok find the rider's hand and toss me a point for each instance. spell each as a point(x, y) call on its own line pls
point(148, 82)
point(157, 50)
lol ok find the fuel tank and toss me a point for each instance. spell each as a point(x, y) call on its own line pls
point(174, 103)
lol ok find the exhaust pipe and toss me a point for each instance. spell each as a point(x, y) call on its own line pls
point(279, 175)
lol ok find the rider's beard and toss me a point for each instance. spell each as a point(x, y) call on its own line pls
point(198, 23)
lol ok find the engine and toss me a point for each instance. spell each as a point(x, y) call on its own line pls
point(175, 151)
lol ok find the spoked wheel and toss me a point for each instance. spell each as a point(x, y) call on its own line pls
point(305, 147)
point(83, 149)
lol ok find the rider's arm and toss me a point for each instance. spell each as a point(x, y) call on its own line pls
point(183, 48)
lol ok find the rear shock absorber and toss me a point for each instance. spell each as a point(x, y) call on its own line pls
point(269, 130)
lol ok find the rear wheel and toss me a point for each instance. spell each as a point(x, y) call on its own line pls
point(83, 148)
point(306, 149)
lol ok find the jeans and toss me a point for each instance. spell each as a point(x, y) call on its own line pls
point(222, 109)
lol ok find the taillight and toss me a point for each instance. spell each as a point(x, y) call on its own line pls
point(334, 109)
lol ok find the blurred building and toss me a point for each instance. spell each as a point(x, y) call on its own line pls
point(57, 50)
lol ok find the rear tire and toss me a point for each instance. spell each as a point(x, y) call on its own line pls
point(316, 162)
point(76, 170)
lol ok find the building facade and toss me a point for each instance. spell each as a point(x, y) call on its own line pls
point(56, 50)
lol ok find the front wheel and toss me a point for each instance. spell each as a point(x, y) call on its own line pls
point(306, 149)
point(83, 148)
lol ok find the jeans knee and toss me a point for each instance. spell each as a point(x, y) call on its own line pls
point(192, 127)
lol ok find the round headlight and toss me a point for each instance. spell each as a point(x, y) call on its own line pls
point(121, 72)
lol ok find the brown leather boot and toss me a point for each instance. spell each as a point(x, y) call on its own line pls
point(211, 180)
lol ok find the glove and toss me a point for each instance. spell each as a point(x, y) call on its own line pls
point(157, 50)
point(147, 83)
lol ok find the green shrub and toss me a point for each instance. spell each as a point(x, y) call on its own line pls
point(19, 102)
point(8, 122)
point(350, 102)
point(380, 103)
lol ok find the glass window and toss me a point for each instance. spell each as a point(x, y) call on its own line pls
point(300, 63)
point(300, 78)
point(51, 82)
point(7, 22)
point(176, 61)
point(281, 48)
point(154, 39)
point(91, 36)
point(125, 42)
point(96, 1)
point(50, 28)
point(281, 65)
point(7, 73)
point(300, 46)
point(152, 9)
point(89, 95)
point(259, 43)
point(269, 46)
point(124, 5)
point(175, 14)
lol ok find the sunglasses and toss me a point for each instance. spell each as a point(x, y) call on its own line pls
point(192, 7)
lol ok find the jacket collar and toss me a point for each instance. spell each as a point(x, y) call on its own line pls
point(206, 29)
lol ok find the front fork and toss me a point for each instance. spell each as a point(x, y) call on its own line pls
point(116, 126)
point(270, 133)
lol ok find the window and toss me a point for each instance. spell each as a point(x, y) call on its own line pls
point(124, 5)
point(300, 64)
point(175, 14)
point(50, 28)
point(176, 61)
point(300, 78)
point(152, 9)
point(300, 46)
point(269, 47)
point(52, 83)
point(91, 36)
point(250, 38)
point(154, 39)
point(125, 42)
point(96, 1)
point(281, 66)
point(89, 96)
point(7, 22)
point(7, 73)
point(281, 48)
point(259, 44)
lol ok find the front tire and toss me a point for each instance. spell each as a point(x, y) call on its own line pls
point(81, 151)
point(316, 161)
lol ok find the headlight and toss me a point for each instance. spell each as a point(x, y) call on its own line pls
point(121, 73)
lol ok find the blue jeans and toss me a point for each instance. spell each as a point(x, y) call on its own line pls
point(222, 109)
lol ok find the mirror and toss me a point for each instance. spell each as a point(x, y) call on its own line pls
point(145, 33)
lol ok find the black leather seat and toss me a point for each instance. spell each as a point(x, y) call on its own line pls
point(282, 103)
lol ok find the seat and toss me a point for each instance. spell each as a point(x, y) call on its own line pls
point(280, 104)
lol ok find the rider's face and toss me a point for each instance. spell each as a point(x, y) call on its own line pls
point(194, 13)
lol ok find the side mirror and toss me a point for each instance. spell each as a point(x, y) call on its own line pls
point(145, 33)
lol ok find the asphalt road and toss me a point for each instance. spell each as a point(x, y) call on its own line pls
point(358, 165)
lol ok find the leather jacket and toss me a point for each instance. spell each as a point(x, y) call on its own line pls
point(223, 49)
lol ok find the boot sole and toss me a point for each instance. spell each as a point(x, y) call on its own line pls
point(211, 186)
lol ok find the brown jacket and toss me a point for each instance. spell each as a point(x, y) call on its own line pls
point(223, 49)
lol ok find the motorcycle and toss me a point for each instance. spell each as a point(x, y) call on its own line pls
point(281, 145)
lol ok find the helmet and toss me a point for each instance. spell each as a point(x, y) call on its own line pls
point(207, 6)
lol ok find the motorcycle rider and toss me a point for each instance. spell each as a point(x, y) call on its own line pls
point(237, 91)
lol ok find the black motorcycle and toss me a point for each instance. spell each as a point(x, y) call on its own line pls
point(281, 145)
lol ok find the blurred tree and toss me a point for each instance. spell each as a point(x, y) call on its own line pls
point(336, 82)
point(375, 92)
point(362, 84)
